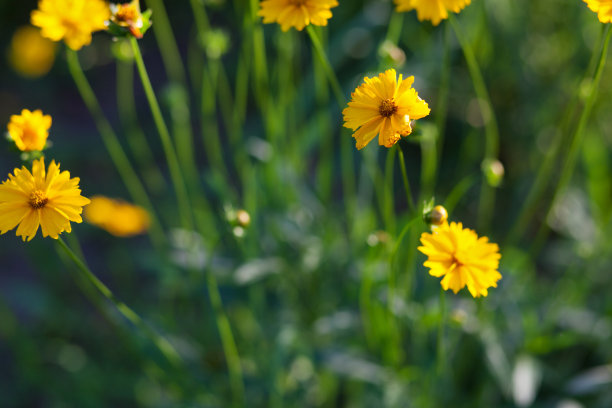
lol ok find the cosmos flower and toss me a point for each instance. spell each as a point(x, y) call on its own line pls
point(296, 13)
point(117, 217)
point(432, 10)
point(603, 8)
point(462, 258)
point(71, 20)
point(29, 130)
point(49, 199)
point(384, 106)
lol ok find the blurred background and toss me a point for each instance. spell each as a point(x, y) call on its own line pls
point(304, 283)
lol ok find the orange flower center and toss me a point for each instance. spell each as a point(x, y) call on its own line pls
point(387, 108)
point(29, 135)
point(297, 3)
point(459, 259)
point(127, 13)
point(38, 200)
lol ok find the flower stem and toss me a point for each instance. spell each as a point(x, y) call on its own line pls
point(116, 152)
point(164, 346)
point(405, 179)
point(331, 75)
point(577, 137)
point(227, 340)
point(441, 356)
point(487, 194)
point(173, 163)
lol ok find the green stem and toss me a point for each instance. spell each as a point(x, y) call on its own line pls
point(578, 136)
point(487, 195)
point(442, 106)
point(441, 356)
point(409, 197)
point(173, 163)
point(164, 346)
point(331, 75)
point(116, 152)
point(227, 340)
point(545, 171)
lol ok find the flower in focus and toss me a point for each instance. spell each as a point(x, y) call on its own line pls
point(29, 130)
point(48, 199)
point(296, 13)
point(117, 217)
point(30, 54)
point(384, 106)
point(126, 19)
point(71, 20)
point(462, 257)
point(432, 10)
point(603, 8)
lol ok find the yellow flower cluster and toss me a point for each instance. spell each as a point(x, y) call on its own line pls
point(117, 217)
point(384, 106)
point(297, 13)
point(462, 257)
point(71, 20)
point(29, 130)
point(432, 10)
point(46, 198)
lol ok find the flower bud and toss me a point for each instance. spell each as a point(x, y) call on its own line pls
point(437, 216)
point(494, 172)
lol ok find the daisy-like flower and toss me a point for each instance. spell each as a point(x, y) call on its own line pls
point(603, 8)
point(384, 106)
point(49, 199)
point(296, 13)
point(117, 217)
point(71, 20)
point(29, 130)
point(432, 10)
point(462, 257)
point(31, 55)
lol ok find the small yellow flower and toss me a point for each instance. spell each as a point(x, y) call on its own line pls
point(296, 13)
point(128, 16)
point(462, 258)
point(29, 130)
point(71, 20)
point(384, 106)
point(31, 55)
point(432, 10)
point(603, 8)
point(50, 199)
point(117, 217)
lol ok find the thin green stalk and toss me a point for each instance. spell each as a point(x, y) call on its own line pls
point(116, 152)
point(567, 168)
point(163, 345)
point(134, 135)
point(227, 340)
point(389, 199)
point(331, 75)
point(394, 30)
point(173, 163)
point(443, 92)
point(409, 197)
point(487, 195)
point(441, 356)
point(545, 171)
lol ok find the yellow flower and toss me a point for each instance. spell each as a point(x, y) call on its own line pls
point(117, 217)
point(462, 258)
point(128, 16)
point(31, 55)
point(296, 13)
point(384, 106)
point(50, 199)
point(603, 8)
point(29, 130)
point(432, 10)
point(71, 20)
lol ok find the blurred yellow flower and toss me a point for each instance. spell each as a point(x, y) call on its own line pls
point(296, 13)
point(71, 20)
point(30, 54)
point(462, 258)
point(432, 10)
point(117, 217)
point(29, 130)
point(383, 106)
point(603, 8)
point(50, 199)
point(128, 16)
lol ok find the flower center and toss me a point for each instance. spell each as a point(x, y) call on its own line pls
point(127, 13)
point(38, 200)
point(387, 108)
point(297, 3)
point(459, 259)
